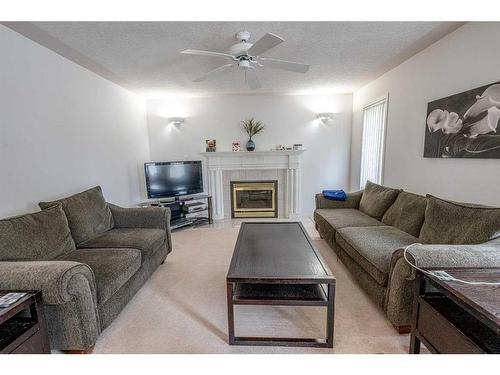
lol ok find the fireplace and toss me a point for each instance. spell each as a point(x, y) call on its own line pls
point(254, 199)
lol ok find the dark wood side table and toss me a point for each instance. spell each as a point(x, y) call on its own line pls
point(457, 318)
point(22, 326)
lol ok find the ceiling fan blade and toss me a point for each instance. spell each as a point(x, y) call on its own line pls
point(264, 44)
point(252, 79)
point(216, 71)
point(206, 53)
point(285, 65)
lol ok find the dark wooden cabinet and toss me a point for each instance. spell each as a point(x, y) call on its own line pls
point(22, 326)
point(451, 317)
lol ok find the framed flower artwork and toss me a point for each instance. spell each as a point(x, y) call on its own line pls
point(464, 125)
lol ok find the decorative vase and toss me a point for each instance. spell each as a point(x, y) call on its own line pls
point(250, 145)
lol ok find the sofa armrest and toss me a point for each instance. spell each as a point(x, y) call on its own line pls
point(449, 256)
point(352, 201)
point(69, 297)
point(399, 295)
point(59, 281)
point(445, 256)
point(143, 217)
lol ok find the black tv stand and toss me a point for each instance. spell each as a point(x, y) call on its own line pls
point(179, 223)
point(180, 217)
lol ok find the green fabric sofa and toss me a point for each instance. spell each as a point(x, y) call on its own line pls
point(370, 230)
point(88, 257)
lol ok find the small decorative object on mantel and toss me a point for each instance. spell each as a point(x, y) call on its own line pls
point(252, 127)
point(464, 125)
point(236, 146)
point(298, 146)
point(280, 147)
point(211, 145)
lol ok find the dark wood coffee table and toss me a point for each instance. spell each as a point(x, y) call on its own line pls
point(275, 263)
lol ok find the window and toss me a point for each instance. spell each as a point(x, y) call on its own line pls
point(373, 144)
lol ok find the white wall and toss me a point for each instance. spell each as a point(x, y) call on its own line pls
point(467, 58)
point(288, 120)
point(64, 129)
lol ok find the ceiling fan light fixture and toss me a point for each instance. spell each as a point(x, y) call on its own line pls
point(244, 64)
point(248, 57)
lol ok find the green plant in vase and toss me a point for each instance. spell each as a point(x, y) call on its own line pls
point(252, 127)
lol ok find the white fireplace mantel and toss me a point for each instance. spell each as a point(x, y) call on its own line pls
point(218, 162)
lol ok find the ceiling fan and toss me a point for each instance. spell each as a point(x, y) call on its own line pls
point(248, 57)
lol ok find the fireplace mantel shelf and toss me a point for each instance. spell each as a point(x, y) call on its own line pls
point(252, 153)
point(226, 161)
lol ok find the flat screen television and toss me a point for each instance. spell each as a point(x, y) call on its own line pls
point(173, 178)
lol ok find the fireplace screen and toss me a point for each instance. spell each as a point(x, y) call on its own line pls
point(254, 199)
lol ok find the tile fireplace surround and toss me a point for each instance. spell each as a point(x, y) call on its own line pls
point(283, 166)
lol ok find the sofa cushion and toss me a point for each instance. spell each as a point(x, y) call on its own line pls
point(459, 223)
point(407, 213)
point(377, 199)
point(372, 247)
point(112, 267)
point(41, 235)
point(87, 212)
point(147, 240)
point(346, 217)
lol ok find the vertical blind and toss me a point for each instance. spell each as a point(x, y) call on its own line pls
point(372, 152)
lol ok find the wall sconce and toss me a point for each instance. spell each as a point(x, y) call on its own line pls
point(325, 116)
point(176, 120)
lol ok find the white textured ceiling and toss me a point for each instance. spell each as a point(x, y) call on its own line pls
point(145, 56)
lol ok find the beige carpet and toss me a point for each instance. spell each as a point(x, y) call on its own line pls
point(182, 308)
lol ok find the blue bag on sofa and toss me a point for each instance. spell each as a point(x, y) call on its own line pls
point(335, 195)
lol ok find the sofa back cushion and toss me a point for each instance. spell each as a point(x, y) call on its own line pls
point(42, 235)
point(407, 213)
point(87, 212)
point(377, 199)
point(459, 223)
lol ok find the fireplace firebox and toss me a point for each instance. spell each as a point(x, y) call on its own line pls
point(254, 199)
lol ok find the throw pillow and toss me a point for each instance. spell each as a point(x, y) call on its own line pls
point(88, 214)
point(407, 213)
point(377, 199)
point(459, 223)
point(42, 235)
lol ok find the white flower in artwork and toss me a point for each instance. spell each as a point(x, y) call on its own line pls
point(453, 124)
point(489, 98)
point(447, 122)
point(486, 125)
point(435, 120)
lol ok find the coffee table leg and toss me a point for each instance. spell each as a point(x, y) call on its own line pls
point(230, 313)
point(330, 315)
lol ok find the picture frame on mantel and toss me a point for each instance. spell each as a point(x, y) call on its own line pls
point(464, 125)
point(211, 145)
point(236, 146)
